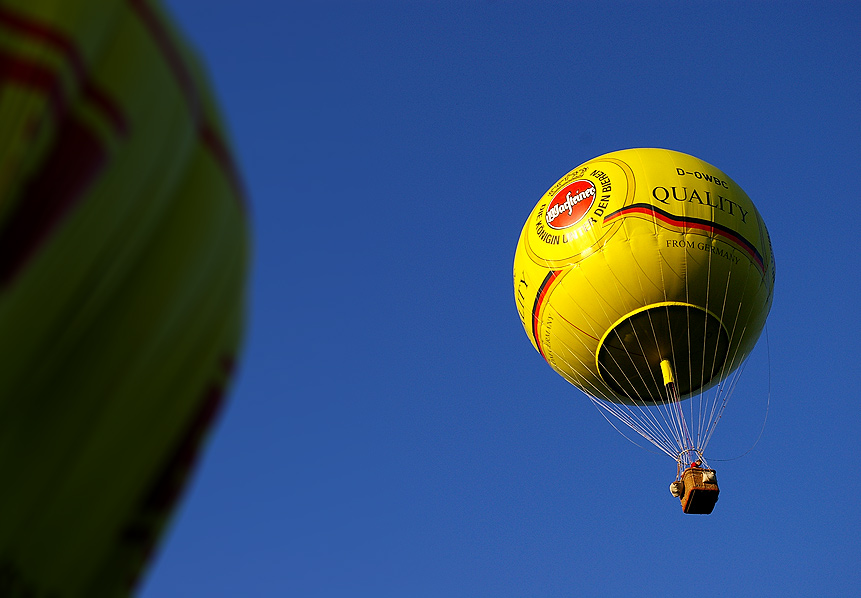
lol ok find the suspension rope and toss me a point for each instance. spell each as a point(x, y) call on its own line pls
point(767, 401)
point(663, 420)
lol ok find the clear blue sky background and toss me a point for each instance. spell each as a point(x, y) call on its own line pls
point(392, 433)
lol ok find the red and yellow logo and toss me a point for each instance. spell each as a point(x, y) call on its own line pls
point(570, 204)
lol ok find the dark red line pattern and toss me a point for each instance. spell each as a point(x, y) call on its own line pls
point(78, 154)
point(210, 137)
point(25, 73)
point(107, 107)
point(75, 159)
point(171, 54)
point(145, 526)
point(577, 328)
point(212, 140)
point(44, 33)
point(53, 38)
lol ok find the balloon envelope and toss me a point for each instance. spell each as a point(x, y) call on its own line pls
point(123, 254)
point(640, 269)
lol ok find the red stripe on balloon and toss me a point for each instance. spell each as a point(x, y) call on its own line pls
point(536, 308)
point(26, 73)
point(109, 109)
point(170, 52)
point(48, 35)
point(221, 154)
point(75, 160)
point(42, 32)
point(689, 223)
point(143, 529)
point(210, 136)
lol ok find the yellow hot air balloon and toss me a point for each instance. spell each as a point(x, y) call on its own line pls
point(123, 252)
point(644, 277)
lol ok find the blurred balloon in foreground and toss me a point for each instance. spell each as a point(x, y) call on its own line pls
point(123, 253)
point(644, 277)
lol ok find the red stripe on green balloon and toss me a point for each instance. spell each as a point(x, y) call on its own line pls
point(209, 134)
point(75, 159)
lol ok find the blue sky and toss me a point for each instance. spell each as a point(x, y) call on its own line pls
point(391, 431)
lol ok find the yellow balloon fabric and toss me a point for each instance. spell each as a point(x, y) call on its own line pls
point(124, 246)
point(641, 268)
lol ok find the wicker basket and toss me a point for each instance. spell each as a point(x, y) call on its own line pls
point(701, 491)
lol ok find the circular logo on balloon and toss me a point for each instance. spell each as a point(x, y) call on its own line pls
point(570, 204)
point(568, 223)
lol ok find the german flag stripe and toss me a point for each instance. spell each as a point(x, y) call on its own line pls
point(536, 308)
point(686, 223)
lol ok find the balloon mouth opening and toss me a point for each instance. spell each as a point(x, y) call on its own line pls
point(690, 338)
